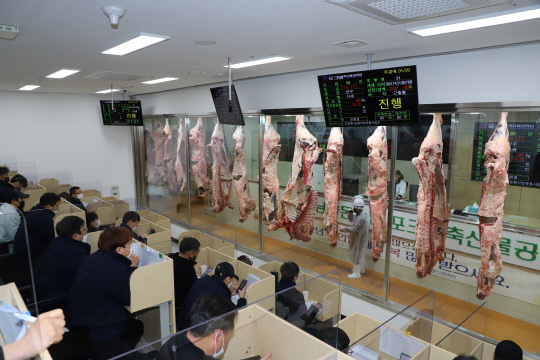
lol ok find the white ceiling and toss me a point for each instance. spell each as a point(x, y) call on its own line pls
point(58, 34)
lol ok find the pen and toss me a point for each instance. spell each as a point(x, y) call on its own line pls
point(30, 319)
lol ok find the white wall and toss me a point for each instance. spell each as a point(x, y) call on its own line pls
point(65, 133)
point(497, 75)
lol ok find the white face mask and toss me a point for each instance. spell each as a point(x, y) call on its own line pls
point(85, 238)
point(218, 353)
point(80, 196)
point(135, 228)
point(230, 284)
point(130, 252)
point(98, 223)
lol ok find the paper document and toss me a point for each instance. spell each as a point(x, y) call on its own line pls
point(360, 352)
point(394, 343)
point(251, 279)
point(146, 255)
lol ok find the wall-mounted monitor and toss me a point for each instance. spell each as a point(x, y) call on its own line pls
point(122, 112)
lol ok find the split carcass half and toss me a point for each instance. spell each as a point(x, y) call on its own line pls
point(377, 189)
point(299, 202)
point(169, 157)
point(491, 207)
point(197, 142)
point(433, 210)
point(180, 164)
point(271, 149)
point(245, 203)
point(332, 183)
point(159, 137)
point(222, 178)
point(150, 157)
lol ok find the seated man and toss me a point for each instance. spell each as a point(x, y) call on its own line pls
point(61, 262)
point(210, 331)
point(18, 182)
point(10, 219)
point(217, 284)
point(290, 303)
point(245, 259)
point(130, 220)
point(335, 337)
point(184, 268)
point(92, 221)
point(75, 196)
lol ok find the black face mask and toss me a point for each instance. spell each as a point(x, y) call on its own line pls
point(6, 179)
point(21, 206)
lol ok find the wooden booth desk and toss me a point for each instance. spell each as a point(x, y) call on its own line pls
point(67, 209)
point(35, 192)
point(120, 206)
point(152, 294)
point(105, 211)
point(320, 289)
point(258, 332)
point(155, 218)
point(210, 241)
point(10, 295)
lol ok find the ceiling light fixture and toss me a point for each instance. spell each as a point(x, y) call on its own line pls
point(62, 73)
point(141, 41)
point(478, 22)
point(157, 81)
point(29, 87)
point(114, 13)
point(107, 91)
point(259, 61)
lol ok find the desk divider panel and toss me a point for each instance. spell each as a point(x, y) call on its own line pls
point(35, 192)
point(92, 193)
point(65, 210)
point(210, 258)
point(120, 206)
point(104, 211)
point(259, 290)
point(49, 184)
point(155, 218)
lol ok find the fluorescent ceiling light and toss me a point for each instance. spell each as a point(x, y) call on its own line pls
point(259, 61)
point(29, 87)
point(141, 41)
point(479, 22)
point(62, 73)
point(157, 81)
point(107, 91)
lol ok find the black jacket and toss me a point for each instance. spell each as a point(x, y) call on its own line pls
point(98, 295)
point(40, 224)
point(291, 298)
point(135, 236)
point(204, 286)
point(184, 277)
point(78, 203)
point(57, 269)
point(181, 348)
point(5, 187)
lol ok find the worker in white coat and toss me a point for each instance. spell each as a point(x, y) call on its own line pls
point(401, 186)
point(358, 240)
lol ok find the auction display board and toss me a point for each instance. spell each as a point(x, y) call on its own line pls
point(121, 113)
point(372, 97)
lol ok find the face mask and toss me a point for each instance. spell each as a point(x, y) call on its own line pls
point(85, 238)
point(130, 252)
point(98, 223)
point(230, 284)
point(6, 179)
point(21, 206)
point(80, 196)
point(135, 228)
point(54, 211)
point(218, 353)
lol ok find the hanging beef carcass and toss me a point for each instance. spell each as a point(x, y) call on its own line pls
point(377, 189)
point(332, 183)
point(221, 174)
point(150, 157)
point(197, 142)
point(180, 164)
point(169, 157)
point(158, 136)
point(246, 204)
point(271, 148)
point(433, 210)
point(299, 202)
point(491, 207)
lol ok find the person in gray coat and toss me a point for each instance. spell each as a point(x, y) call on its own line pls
point(358, 240)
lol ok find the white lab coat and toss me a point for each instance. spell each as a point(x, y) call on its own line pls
point(358, 241)
point(9, 222)
point(401, 188)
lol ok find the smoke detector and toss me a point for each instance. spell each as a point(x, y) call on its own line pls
point(351, 43)
point(114, 13)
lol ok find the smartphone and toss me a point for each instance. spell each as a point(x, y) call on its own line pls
point(242, 285)
point(152, 231)
point(208, 271)
point(404, 357)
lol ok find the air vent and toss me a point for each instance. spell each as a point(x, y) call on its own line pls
point(351, 43)
point(113, 75)
point(404, 11)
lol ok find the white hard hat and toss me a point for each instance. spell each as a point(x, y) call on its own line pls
point(358, 202)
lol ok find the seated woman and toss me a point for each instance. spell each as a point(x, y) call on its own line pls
point(93, 222)
point(100, 292)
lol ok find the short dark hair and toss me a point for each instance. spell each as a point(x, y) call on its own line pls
point(289, 270)
point(64, 195)
point(465, 357)
point(211, 307)
point(91, 216)
point(335, 337)
point(114, 237)
point(4, 170)
point(19, 179)
point(508, 350)
point(73, 190)
point(131, 216)
point(244, 259)
point(49, 199)
point(69, 226)
point(188, 244)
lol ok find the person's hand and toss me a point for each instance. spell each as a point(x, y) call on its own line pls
point(146, 235)
point(134, 260)
point(267, 357)
point(318, 305)
point(234, 290)
point(242, 293)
